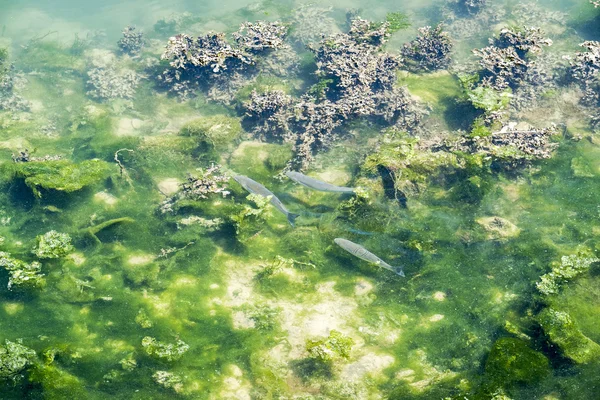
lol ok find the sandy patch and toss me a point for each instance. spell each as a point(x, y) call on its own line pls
point(141, 259)
point(369, 364)
point(106, 198)
point(169, 186)
point(244, 146)
point(129, 127)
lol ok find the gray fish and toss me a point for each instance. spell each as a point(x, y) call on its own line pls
point(254, 187)
point(364, 254)
point(317, 184)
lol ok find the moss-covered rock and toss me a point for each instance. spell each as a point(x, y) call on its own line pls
point(60, 175)
point(511, 361)
point(562, 331)
point(217, 130)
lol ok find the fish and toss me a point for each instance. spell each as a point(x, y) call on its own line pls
point(316, 184)
point(364, 254)
point(254, 187)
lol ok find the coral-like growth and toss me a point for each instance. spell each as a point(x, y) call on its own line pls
point(21, 274)
point(164, 351)
point(132, 41)
point(9, 100)
point(260, 35)
point(107, 83)
point(430, 50)
point(584, 70)
point(357, 80)
point(569, 268)
point(168, 380)
point(53, 244)
point(14, 360)
point(505, 62)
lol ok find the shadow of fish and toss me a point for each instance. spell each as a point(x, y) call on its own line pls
point(364, 254)
point(317, 184)
point(254, 187)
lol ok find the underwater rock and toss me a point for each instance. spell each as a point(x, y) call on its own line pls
point(60, 175)
point(563, 332)
point(132, 41)
point(429, 51)
point(512, 361)
point(498, 228)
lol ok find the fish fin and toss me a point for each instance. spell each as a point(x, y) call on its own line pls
point(291, 217)
point(399, 271)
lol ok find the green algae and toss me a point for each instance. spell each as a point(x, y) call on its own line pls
point(441, 322)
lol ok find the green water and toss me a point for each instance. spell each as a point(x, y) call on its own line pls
point(239, 304)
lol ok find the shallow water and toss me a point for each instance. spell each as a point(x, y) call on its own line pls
point(239, 304)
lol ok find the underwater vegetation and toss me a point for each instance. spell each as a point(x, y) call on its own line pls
point(298, 201)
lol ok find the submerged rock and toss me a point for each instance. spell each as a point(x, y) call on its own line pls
point(513, 361)
point(498, 228)
point(562, 331)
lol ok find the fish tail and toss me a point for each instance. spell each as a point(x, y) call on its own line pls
point(399, 271)
point(291, 217)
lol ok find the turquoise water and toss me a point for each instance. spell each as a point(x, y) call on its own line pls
point(156, 290)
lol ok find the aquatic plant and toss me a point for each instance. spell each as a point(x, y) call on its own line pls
point(108, 83)
point(326, 350)
point(164, 351)
point(52, 244)
point(22, 275)
point(569, 268)
point(396, 21)
point(168, 380)
point(15, 359)
point(429, 51)
point(246, 218)
point(132, 41)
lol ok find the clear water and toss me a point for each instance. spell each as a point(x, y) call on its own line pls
point(247, 305)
